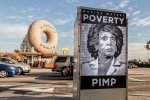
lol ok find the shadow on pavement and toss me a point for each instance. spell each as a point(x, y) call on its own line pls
point(54, 76)
point(35, 98)
point(48, 76)
point(37, 86)
point(3, 89)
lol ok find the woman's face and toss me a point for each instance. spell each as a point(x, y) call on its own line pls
point(107, 43)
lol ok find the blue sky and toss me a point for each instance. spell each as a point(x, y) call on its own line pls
point(17, 15)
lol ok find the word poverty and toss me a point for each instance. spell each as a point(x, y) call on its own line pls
point(103, 19)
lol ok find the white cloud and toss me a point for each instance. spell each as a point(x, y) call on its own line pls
point(128, 14)
point(14, 17)
point(30, 16)
point(136, 13)
point(112, 5)
point(145, 35)
point(136, 44)
point(62, 21)
point(30, 13)
point(13, 8)
point(9, 46)
point(1, 14)
point(62, 34)
point(130, 10)
point(34, 10)
point(13, 30)
point(123, 4)
point(10, 36)
point(8, 43)
point(138, 51)
point(141, 22)
point(139, 34)
point(72, 1)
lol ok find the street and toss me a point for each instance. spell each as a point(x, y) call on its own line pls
point(43, 84)
point(40, 84)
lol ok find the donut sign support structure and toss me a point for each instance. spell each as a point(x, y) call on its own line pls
point(35, 32)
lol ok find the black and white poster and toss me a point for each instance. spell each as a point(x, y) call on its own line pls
point(103, 49)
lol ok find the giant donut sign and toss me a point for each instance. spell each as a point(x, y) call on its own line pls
point(34, 35)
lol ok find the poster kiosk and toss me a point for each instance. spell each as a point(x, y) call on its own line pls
point(100, 55)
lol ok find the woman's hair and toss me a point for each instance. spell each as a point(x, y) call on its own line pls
point(93, 38)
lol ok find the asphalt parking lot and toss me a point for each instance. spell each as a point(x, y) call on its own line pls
point(139, 84)
point(40, 84)
point(43, 84)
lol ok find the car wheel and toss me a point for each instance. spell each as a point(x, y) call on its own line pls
point(19, 71)
point(64, 72)
point(3, 73)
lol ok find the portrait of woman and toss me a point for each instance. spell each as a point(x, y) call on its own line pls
point(104, 43)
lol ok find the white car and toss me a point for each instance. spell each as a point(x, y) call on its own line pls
point(21, 68)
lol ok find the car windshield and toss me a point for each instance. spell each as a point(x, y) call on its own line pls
point(61, 59)
point(7, 60)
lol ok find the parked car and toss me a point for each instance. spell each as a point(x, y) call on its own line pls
point(6, 70)
point(22, 68)
point(131, 65)
point(63, 64)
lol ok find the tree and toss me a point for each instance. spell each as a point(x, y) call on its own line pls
point(147, 45)
point(148, 48)
point(16, 51)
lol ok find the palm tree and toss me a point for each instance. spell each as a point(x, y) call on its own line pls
point(147, 45)
point(148, 48)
